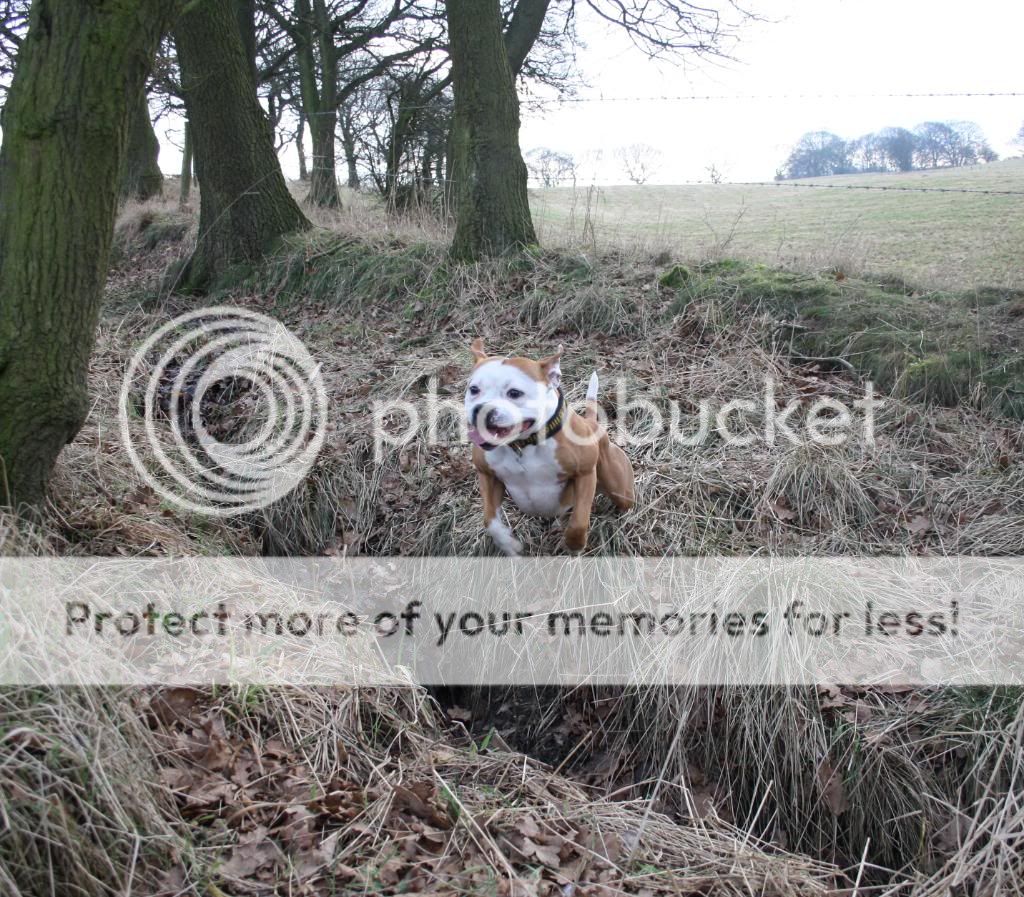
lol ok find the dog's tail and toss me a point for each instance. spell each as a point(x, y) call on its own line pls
point(592, 387)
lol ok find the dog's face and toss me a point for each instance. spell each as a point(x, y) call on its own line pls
point(509, 398)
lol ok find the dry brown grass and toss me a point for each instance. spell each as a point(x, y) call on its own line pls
point(249, 791)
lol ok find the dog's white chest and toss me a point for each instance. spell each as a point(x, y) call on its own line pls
point(533, 479)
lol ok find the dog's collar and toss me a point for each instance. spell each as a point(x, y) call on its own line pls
point(553, 425)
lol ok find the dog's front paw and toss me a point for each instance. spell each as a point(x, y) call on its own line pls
point(504, 539)
point(576, 538)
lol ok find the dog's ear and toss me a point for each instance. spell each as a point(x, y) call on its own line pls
point(552, 367)
point(477, 348)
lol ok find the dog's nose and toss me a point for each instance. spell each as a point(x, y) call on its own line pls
point(491, 420)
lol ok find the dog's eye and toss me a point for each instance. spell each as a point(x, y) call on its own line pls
point(474, 390)
point(515, 393)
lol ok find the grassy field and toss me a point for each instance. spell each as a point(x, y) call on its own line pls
point(946, 240)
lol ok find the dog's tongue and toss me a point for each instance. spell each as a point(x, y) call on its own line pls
point(476, 438)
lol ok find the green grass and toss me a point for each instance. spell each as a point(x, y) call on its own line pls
point(942, 240)
point(945, 348)
point(940, 347)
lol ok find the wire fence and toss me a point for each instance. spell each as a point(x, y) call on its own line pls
point(583, 184)
point(712, 97)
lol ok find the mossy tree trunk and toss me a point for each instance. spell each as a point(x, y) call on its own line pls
point(244, 203)
point(141, 177)
point(80, 70)
point(492, 209)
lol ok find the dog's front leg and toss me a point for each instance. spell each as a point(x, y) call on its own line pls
point(493, 491)
point(579, 521)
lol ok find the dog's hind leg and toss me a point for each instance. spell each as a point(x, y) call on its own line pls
point(615, 475)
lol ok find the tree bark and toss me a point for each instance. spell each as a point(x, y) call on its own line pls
point(323, 178)
point(65, 124)
point(186, 168)
point(300, 147)
point(523, 30)
point(245, 11)
point(397, 145)
point(491, 204)
point(314, 35)
point(141, 177)
point(348, 145)
point(244, 203)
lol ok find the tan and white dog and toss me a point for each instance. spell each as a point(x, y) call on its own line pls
point(530, 445)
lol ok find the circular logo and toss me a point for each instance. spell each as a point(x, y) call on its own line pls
point(233, 407)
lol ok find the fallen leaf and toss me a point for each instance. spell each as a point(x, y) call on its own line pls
point(831, 785)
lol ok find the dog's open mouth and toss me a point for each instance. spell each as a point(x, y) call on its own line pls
point(493, 435)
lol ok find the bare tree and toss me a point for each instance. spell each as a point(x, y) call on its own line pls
point(897, 146)
point(337, 47)
point(1018, 139)
point(951, 143)
point(818, 154)
point(13, 25)
point(640, 161)
point(715, 174)
point(551, 168)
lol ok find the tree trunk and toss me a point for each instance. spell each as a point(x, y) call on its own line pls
point(141, 177)
point(323, 181)
point(300, 147)
point(348, 145)
point(314, 35)
point(491, 204)
point(186, 168)
point(397, 146)
point(244, 203)
point(245, 11)
point(79, 72)
point(523, 31)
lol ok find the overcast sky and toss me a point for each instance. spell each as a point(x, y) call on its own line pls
point(811, 46)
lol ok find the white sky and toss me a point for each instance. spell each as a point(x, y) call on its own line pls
point(810, 46)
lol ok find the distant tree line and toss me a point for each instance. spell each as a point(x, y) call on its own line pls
point(933, 144)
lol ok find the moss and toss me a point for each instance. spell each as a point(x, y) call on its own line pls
point(675, 277)
point(341, 272)
point(944, 348)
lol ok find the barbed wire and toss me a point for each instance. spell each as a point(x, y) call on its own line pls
point(575, 182)
point(883, 187)
point(772, 96)
point(711, 97)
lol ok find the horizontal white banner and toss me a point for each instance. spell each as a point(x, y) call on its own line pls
point(523, 621)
